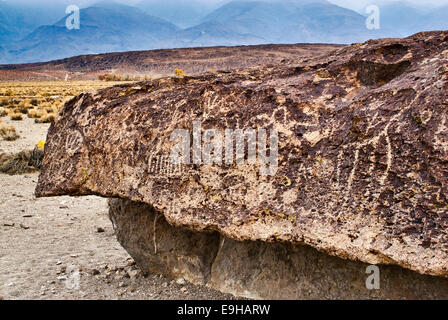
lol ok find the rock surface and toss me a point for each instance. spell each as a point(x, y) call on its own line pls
point(363, 152)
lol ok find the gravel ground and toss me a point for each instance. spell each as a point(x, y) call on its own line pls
point(30, 133)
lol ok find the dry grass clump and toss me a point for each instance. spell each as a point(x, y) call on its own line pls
point(16, 116)
point(8, 133)
point(23, 106)
point(110, 77)
point(23, 162)
point(42, 100)
point(35, 113)
point(4, 102)
point(117, 77)
point(45, 118)
point(43, 115)
point(179, 72)
point(45, 112)
point(137, 78)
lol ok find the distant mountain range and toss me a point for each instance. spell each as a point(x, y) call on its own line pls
point(18, 20)
point(104, 28)
point(292, 21)
point(183, 13)
point(38, 33)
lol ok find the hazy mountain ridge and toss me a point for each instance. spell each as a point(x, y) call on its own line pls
point(104, 28)
point(111, 27)
point(16, 20)
point(294, 22)
point(183, 13)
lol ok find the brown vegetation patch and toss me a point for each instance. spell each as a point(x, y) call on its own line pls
point(8, 132)
point(26, 161)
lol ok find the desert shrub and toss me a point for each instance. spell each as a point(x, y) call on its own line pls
point(46, 118)
point(57, 105)
point(11, 135)
point(8, 132)
point(45, 105)
point(24, 162)
point(179, 72)
point(54, 109)
point(35, 113)
point(23, 107)
point(3, 112)
point(16, 116)
point(34, 102)
point(23, 110)
point(4, 102)
point(110, 77)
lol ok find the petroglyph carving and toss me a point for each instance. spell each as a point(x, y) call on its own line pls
point(362, 153)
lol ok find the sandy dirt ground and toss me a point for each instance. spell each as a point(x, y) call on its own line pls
point(65, 248)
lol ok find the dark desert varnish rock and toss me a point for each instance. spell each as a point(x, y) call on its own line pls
point(363, 151)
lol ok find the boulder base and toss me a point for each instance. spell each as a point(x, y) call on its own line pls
point(258, 270)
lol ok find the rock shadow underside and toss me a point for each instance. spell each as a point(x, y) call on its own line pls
point(256, 270)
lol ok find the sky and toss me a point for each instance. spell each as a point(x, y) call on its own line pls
point(357, 5)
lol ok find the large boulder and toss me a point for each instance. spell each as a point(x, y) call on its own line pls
point(358, 161)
